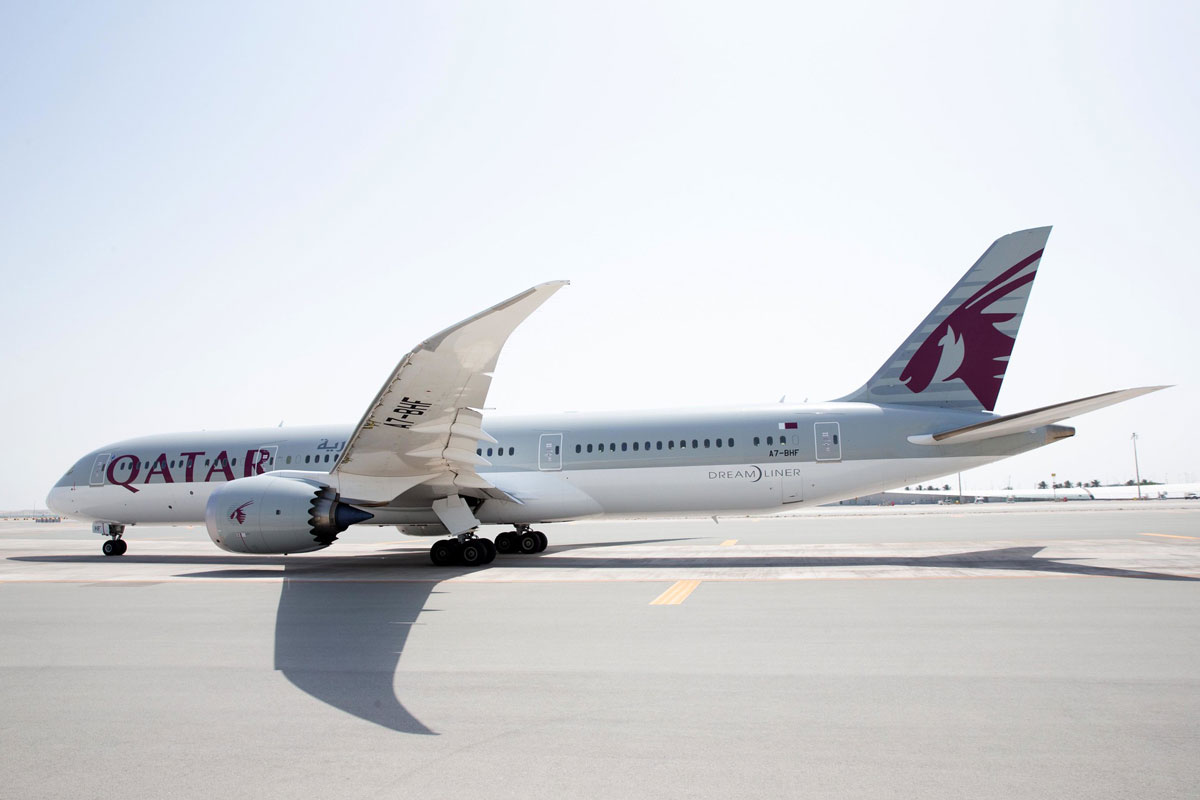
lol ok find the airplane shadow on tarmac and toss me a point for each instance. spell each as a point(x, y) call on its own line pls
point(340, 629)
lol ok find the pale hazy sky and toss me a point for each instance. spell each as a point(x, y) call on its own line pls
point(214, 216)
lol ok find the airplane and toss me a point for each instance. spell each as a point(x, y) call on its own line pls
point(421, 459)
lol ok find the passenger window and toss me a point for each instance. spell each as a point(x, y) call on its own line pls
point(670, 444)
point(706, 442)
point(612, 447)
point(647, 445)
point(489, 451)
point(510, 451)
point(718, 442)
point(731, 441)
point(578, 448)
point(635, 446)
point(478, 451)
point(235, 460)
point(770, 440)
point(600, 447)
point(289, 459)
point(658, 446)
point(755, 440)
point(589, 448)
point(557, 449)
point(682, 443)
point(306, 459)
point(695, 444)
point(624, 446)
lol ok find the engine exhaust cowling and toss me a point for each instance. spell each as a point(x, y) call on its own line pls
point(271, 514)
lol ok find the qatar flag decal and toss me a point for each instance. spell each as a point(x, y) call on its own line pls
point(788, 426)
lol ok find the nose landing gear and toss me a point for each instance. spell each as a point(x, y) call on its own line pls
point(115, 546)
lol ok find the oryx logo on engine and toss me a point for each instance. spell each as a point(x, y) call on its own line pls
point(239, 513)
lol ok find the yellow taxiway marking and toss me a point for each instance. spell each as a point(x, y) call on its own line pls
point(1170, 536)
point(676, 594)
point(729, 543)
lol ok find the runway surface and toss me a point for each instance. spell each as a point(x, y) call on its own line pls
point(995, 651)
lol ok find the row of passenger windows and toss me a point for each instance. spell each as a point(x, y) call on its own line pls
point(498, 451)
point(182, 462)
point(771, 440)
point(316, 458)
point(671, 444)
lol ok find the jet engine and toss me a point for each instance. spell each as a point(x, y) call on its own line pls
point(271, 514)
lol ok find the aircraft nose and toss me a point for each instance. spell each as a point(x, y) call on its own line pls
point(58, 500)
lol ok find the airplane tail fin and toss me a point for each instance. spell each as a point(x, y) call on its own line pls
point(956, 358)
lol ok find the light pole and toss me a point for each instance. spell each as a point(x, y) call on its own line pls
point(1137, 473)
point(1053, 488)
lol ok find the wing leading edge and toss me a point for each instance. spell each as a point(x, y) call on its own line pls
point(424, 425)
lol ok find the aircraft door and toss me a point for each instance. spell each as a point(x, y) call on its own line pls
point(550, 452)
point(828, 436)
point(261, 460)
point(98, 469)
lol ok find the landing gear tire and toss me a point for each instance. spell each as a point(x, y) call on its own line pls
point(444, 552)
point(507, 542)
point(122, 546)
point(544, 542)
point(490, 548)
point(473, 553)
point(529, 542)
point(109, 548)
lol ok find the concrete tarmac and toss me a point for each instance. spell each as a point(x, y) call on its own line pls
point(996, 651)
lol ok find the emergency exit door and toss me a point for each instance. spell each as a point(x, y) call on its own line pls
point(828, 437)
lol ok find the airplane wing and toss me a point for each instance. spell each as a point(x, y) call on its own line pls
point(424, 425)
point(1028, 420)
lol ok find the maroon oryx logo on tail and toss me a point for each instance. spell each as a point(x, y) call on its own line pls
point(239, 513)
point(969, 343)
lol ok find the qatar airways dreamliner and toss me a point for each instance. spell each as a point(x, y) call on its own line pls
point(426, 459)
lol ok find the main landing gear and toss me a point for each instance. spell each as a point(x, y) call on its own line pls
point(523, 540)
point(469, 550)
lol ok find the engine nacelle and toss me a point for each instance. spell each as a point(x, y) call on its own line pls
point(270, 514)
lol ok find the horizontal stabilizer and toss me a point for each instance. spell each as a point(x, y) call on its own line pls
point(1028, 420)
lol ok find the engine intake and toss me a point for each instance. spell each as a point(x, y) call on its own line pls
point(272, 514)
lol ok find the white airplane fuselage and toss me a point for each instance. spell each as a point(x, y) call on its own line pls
point(758, 459)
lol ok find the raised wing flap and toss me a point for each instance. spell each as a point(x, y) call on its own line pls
point(1028, 420)
point(424, 423)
